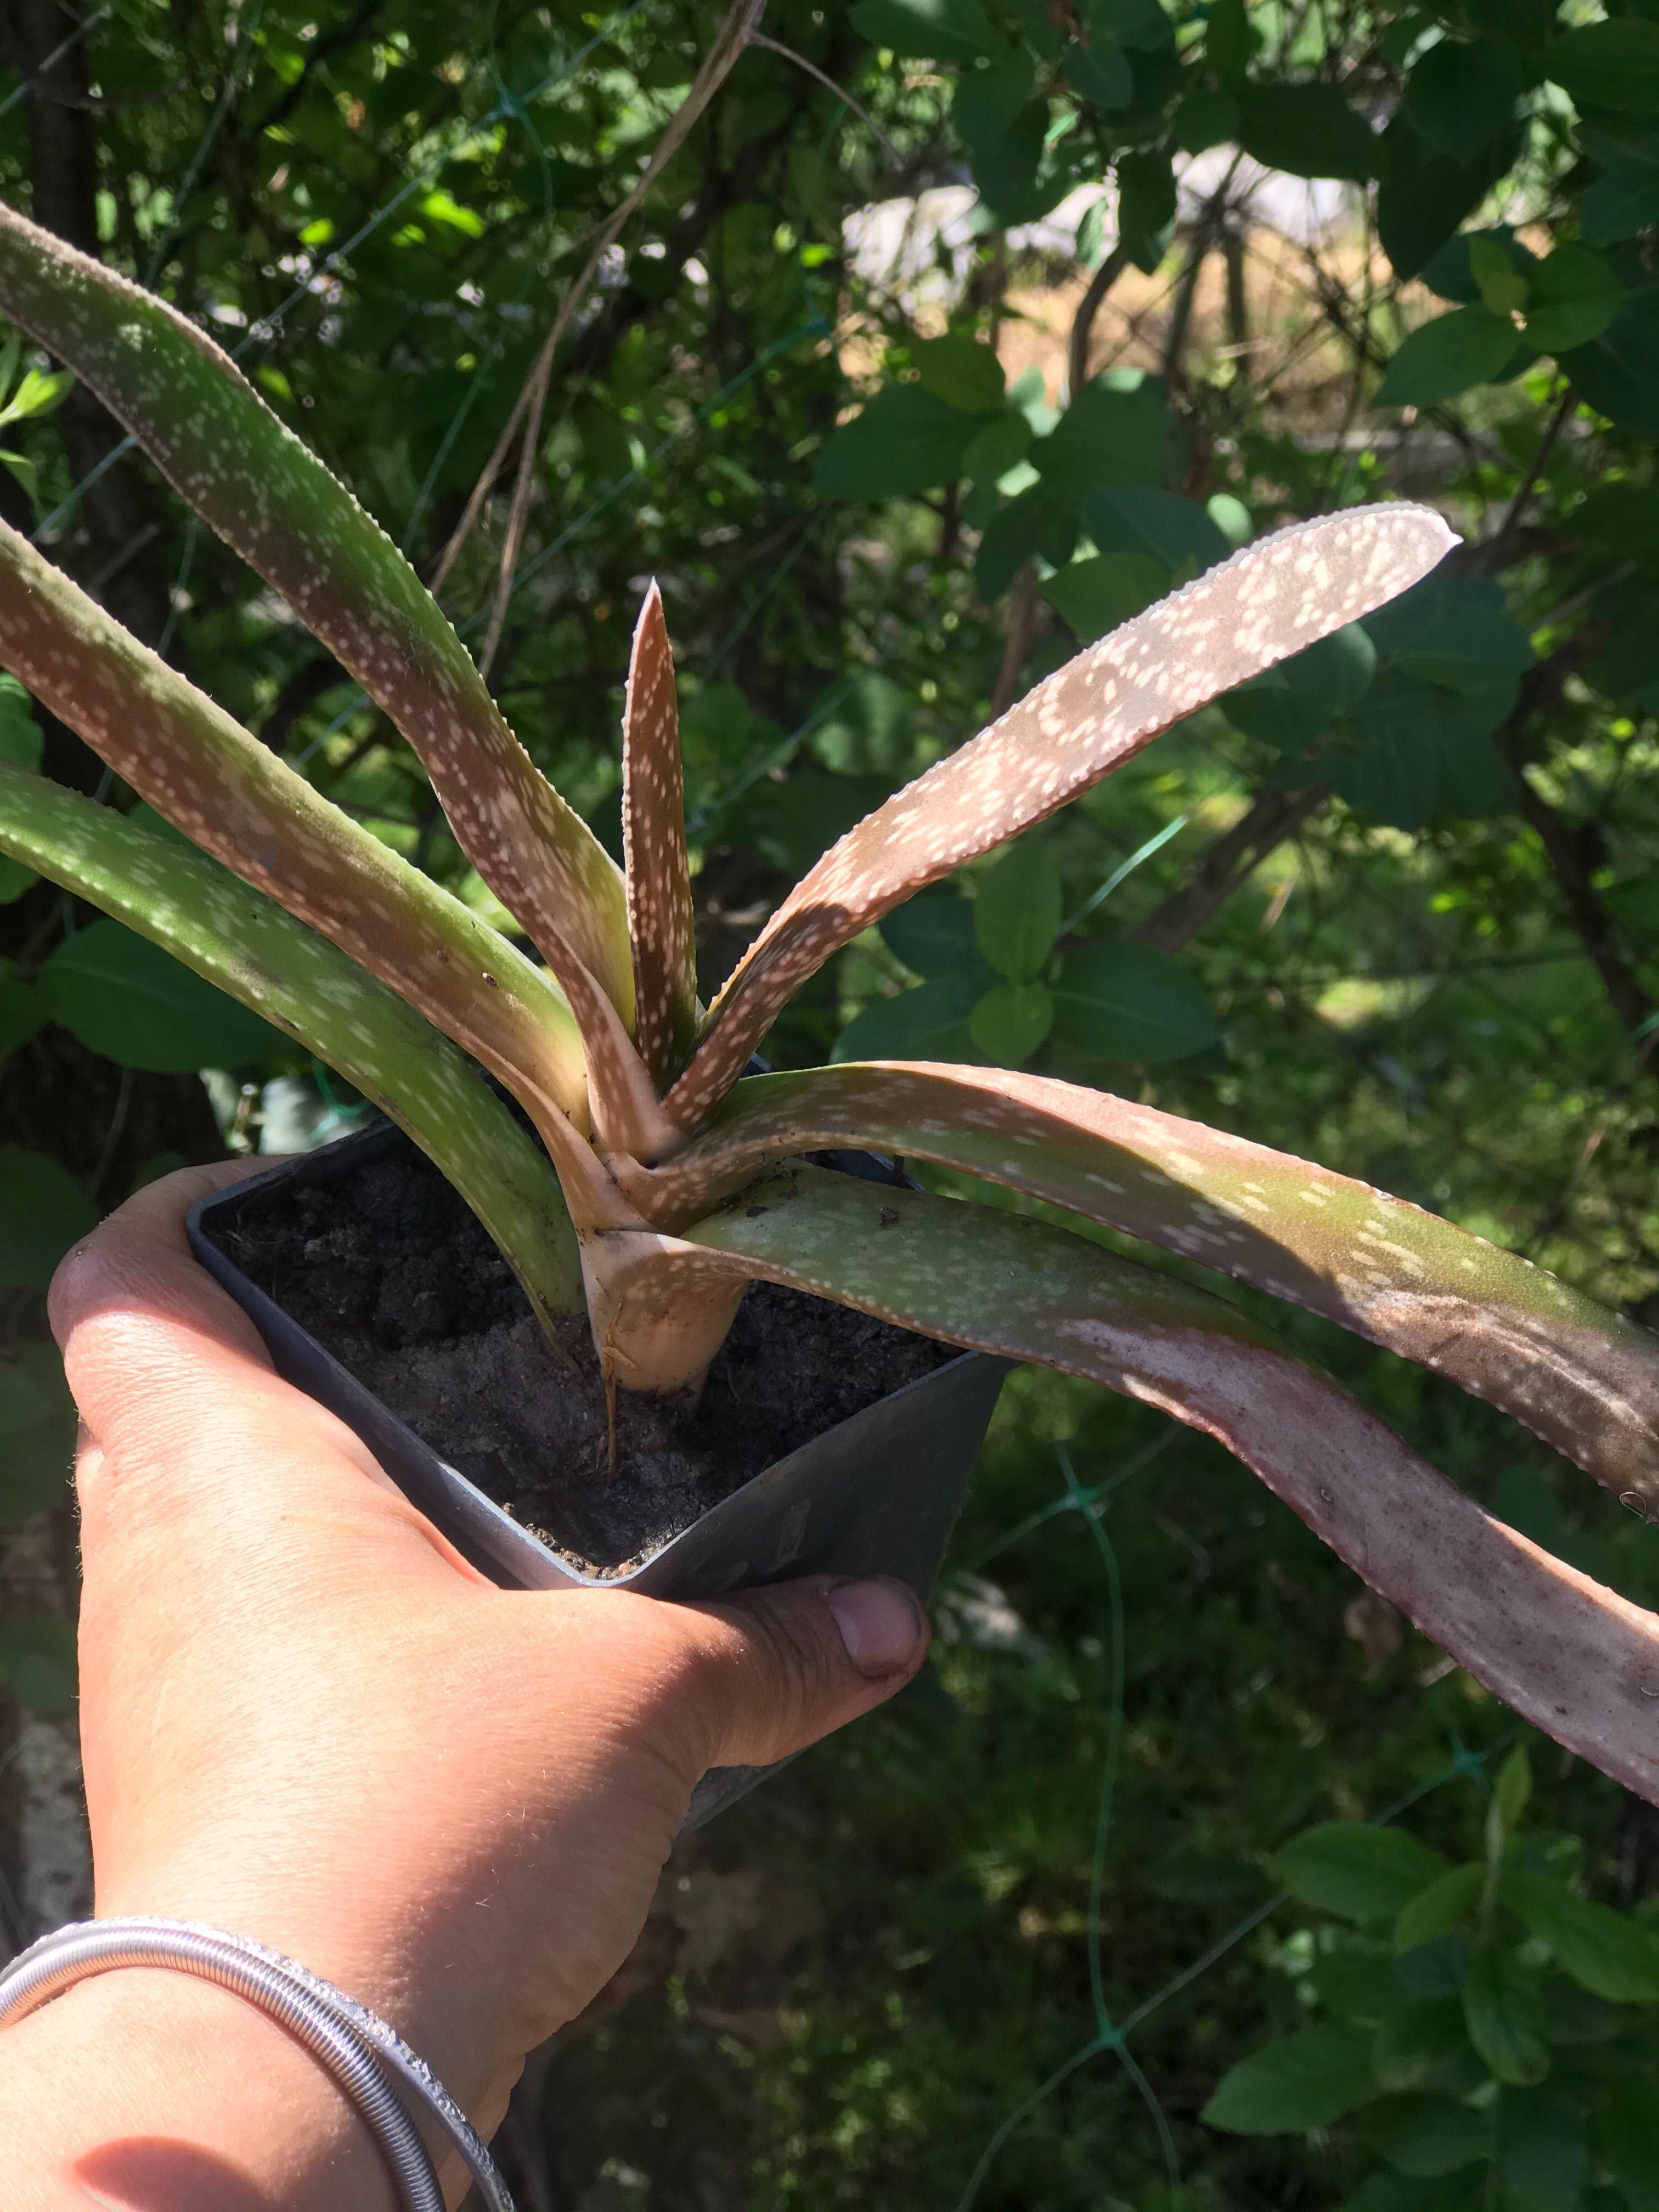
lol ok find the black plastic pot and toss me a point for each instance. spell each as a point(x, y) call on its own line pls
point(877, 1494)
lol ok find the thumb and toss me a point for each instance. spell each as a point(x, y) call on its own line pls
point(777, 1669)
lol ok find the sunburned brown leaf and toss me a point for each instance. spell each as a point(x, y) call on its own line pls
point(237, 800)
point(1576, 1660)
point(1245, 615)
point(658, 873)
point(270, 498)
point(1583, 1378)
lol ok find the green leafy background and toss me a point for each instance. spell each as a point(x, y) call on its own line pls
point(1187, 1877)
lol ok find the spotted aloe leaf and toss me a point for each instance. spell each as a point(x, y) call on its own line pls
point(269, 498)
point(234, 799)
point(1077, 726)
point(658, 871)
point(245, 944)
point(1583, 1378)
point(1576, 1660)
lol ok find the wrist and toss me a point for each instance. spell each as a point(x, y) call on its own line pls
point(146, 2086)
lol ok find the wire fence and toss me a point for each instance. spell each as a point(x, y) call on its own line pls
point(1111, 2036)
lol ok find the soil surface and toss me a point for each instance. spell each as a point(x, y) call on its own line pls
point(389, 1271)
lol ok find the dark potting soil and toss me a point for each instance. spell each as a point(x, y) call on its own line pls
point(390, 1271)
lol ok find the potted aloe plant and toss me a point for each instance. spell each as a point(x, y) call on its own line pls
point(642, 1178)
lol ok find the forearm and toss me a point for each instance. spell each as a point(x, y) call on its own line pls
point(146, 2091)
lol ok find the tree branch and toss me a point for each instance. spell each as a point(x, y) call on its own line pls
point(1228, 864)
point(1016, 643)
point(1575, 851)
point(1077, 352)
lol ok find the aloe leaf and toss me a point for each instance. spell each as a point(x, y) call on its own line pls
point(232, 797)
point(268, 496)
point(1573, 1657)
point(244, 942)
point(1266, 603)
point(658, 871)
point(1584, 1379)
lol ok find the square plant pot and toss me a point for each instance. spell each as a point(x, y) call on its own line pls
point(878, 1493)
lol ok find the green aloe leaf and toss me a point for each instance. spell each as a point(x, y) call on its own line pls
point(245, 944)
point(1560, 1648)
point(1249, 614)
point(1585, 1379)
point(268, 496)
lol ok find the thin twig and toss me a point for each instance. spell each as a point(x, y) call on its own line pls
point(1022, 614)
point(1228, 864)
point(1491, 554)
point(742, 20)
point(1077, 353)
point(789, 53)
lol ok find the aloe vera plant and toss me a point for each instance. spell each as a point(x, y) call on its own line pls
point(670, 1178)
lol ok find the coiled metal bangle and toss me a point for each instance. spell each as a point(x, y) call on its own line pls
point(373, 2067)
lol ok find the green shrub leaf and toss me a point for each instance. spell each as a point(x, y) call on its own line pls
point(1360, 1872)
point(1011, 1021)
point(1512, 1792)
point(1097, 595)
point(1542, 2151)
point(1461, 95)
point(1146, 207)
point(1100, 72)
point(1504, 2011)
point(1307, 2080)
point(23, 1011)
point(959, 370)
point(1140, 519)
point(1116, 431)
point(1443, 1906)
point(1038, 521)
point(1605, 1951)
point(129, 1000)
point(1574, 296)
point(1307, 130)
point(1017, 911)
point(1627, 2136)
point(928, 1023)
point(1118, 1000)
point(1426, 2136)
point(907, 440)
point(43, 1211)
point(1002, 444)
point(1440, 358)
point(21, 740)
point(1608, 65)
point(934, 30)
point(934, 935)
point(1417, 2039)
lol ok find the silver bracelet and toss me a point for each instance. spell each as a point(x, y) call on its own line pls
point(373, 2067)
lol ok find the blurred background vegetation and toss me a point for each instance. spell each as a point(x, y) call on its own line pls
point(958, 330)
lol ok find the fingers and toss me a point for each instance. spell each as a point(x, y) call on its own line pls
point(777, 1669)
point(175, 1388)
point(136, 1273)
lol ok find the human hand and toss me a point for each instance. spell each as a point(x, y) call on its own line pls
point(306, 1718)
